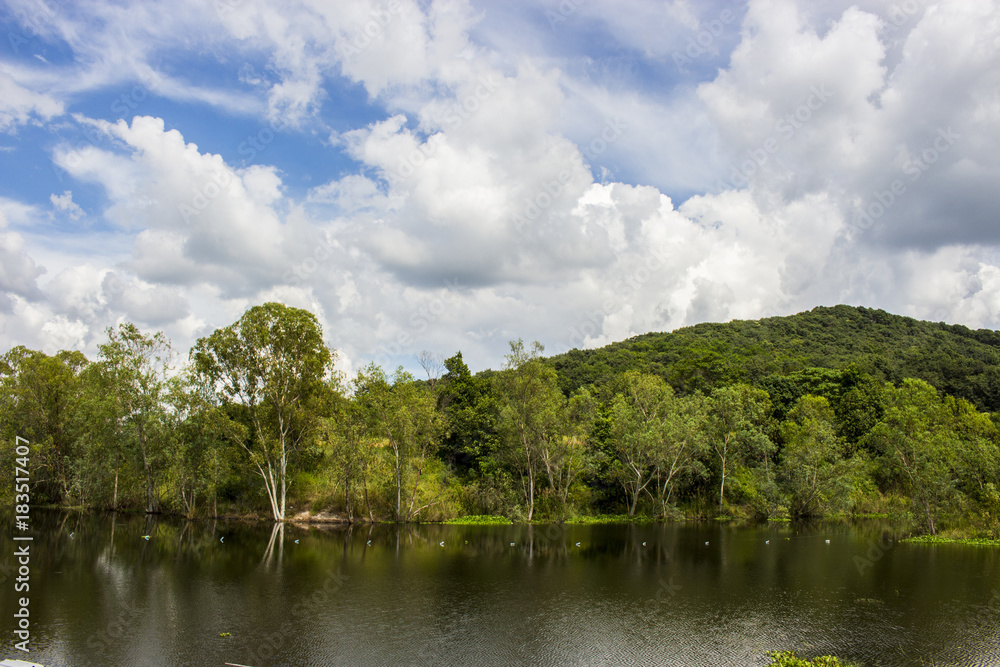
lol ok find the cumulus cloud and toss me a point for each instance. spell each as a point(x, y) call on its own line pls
point(492, 184)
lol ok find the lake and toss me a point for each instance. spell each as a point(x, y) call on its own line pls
point(674, 594)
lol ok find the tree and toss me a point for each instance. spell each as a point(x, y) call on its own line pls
point(198, 461)
point(39, 397)
point(568, 454)
point(530, 402)
point(432, 365)
point(470, 406)
point(813, 471)
point(927, 445)
point(638, 418)
point(274, 365)
point(404, 416)
point(136, 367)
point(737, 416)
point(683, 445)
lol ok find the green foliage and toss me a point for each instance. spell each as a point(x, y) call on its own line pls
point(937, 539)
point(479, 520)
point(956, 360)
point(403, 416)
point(789, 659)
point(274, 367)
point(736, 425)
point(832, 411)
point(609, 519)
point(815, 475)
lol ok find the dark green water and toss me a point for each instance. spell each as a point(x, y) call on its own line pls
point(626, 595)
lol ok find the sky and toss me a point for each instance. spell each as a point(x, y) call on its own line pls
point(452, 175)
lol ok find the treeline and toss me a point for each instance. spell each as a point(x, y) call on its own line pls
point(255, 421)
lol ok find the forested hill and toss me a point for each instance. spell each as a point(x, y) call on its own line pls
point(955, 359)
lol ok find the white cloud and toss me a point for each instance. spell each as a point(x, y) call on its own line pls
point(65, 203)
point(19, 105)
point(504, 185)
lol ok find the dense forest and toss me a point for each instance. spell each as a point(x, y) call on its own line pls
point(837, 411)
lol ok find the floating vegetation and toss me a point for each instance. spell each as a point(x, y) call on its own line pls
point(789, 659)
point(479, 520)
point(937, 539)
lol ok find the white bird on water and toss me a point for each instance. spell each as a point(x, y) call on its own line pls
point(146, 537)
point(222, 538)
point(706, 544)
point(828, 541)
point(767, 541)
point(577, 544)
point(296, 541)
point(442, 544)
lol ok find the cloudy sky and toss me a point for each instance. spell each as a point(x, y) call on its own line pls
point(450, 175)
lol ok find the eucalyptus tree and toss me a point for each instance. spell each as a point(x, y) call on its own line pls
point(273, 366)
point(683, 445)
point(530, 407)
point(136, 367)
point(637, 417)
point(735, 428)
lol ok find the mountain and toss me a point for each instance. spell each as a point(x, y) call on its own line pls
point(955, 359)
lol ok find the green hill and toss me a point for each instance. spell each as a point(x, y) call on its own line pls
point(955, 359)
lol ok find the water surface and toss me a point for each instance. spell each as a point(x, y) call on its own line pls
point(676, 594)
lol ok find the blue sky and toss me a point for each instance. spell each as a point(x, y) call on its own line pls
point(452, 175)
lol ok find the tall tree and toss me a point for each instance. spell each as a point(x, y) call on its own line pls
point(136, 367)
point(274, 364)
point(638, 418)
point(737, 417)
point(568, 454)
point(529, 414)
point(471, 409)
point(683, 445)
